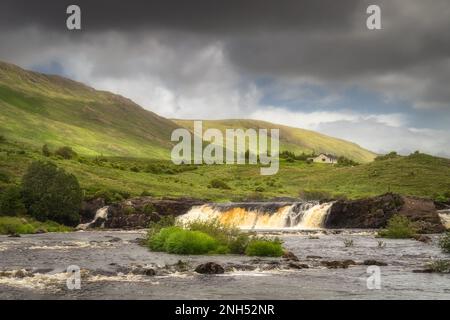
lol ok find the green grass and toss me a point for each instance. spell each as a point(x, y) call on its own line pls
point(399, 227)
point(208, 237)
point(27, 225)
point(264, 248)
point(293, 139)
point(416, 175)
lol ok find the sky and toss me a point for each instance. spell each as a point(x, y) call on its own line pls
point(310, 64)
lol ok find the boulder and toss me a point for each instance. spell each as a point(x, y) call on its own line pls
point(374, 263)
point(364, 213)
point(375, 212)
point(209, 268)
point(338, 264)
point(289, 255)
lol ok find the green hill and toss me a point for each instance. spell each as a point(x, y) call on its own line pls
point(293, 139)
point(37, 109)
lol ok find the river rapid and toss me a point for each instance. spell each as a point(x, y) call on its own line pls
point(115, 266)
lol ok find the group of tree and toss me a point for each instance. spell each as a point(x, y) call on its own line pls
point(46, 193)
point(63, 152)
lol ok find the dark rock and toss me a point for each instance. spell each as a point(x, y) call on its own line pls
point(89, 208)
point(374, 263)
point(313, 257)
point(239, 267)
point(338, 264)
point(14, 235)
point(296, 265)
point(374, 213)
point(209, 268)
point(119, 216)
point(289, 255)
point(364, 213)
point(40, 231)
point(422, 238)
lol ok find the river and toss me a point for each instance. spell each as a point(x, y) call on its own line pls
point(109, 260)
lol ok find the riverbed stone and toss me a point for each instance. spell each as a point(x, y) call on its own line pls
point(210, 268)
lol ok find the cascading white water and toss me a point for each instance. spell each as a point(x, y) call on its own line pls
point(300, 215)
point(101, 213)
point(445, 217)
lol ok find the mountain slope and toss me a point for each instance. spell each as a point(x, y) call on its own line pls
point(37, 109)
point(42, 109)
point(293, 139)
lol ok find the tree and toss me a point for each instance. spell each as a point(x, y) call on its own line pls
point(51, 194)
point(66, 153)
point(11, 203)
point(46, 151)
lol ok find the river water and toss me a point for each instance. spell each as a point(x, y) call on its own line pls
point(107, 259)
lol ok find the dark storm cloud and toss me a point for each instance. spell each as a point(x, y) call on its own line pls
point(308, 63)
point(195, 15)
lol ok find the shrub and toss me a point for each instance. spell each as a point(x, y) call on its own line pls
point(134, 169)
point(219, 184)
point(46, 151)
point(264, 248)
point(50, 193)
point(11, 203)
point(13, 225)
point(315, 195)
point(146, 194)
point(348, 243)
point(213, 227)
point(157, 238)
point(238, 244)
point(155, 227)
point(149, 209)
point(66, 153)
point(180, 241)
point(444, 242)
point(345, 162)
point(398, 227)
point(4, 177)
point(390, 155)
point(440, 266)
point(190, 242)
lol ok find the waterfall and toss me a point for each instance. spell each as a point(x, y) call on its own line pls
point(445, 217)
point(101, 215)
point(257, 216)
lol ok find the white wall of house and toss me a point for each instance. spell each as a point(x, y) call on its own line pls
point(323, 158)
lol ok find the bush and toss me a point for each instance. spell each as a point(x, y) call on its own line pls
point(390, 155)
point(398, 227)
point(444, 242)
point(219, 184)
point(190, 242)
point(50, 193)
point(14, 225)
point(264, 248)
point(4, 177)
point(2, 139)
point(309, 195)
point(11, 203)
point(66, 153)
point(440, 266)
point(155, 227)
point(46, 151)
point(180, 241)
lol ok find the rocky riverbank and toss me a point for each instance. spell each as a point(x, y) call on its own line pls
point(369, 213)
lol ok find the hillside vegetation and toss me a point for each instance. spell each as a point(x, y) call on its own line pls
point(42, 109)
point(293, 139)
point(417, 174)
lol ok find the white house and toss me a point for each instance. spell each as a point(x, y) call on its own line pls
point(325, 158)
